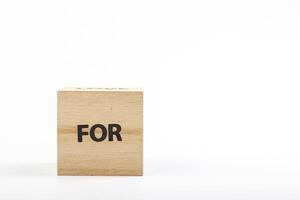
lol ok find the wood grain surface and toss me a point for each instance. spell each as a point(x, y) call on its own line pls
point(99, 106)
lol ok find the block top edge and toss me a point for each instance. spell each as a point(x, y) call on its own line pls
point(106, 89)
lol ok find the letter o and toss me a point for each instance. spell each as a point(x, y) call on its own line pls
point(93, 135)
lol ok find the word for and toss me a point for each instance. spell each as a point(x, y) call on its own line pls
point(111, 131)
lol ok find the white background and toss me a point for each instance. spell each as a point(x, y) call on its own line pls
point(221, 81)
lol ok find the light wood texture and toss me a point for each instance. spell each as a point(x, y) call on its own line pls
point(99, 106)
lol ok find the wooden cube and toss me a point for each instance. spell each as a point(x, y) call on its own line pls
point(100, 131)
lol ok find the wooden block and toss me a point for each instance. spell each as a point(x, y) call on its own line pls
point(100, 131)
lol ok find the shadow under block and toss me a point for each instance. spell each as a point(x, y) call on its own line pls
point(100, 117)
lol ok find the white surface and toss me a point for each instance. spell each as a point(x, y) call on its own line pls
point(221, 81)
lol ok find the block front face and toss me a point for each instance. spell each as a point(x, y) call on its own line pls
point(100, 133)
